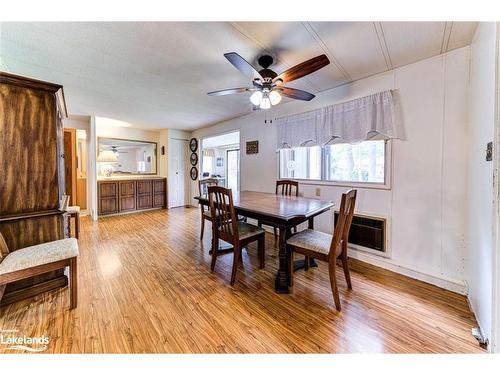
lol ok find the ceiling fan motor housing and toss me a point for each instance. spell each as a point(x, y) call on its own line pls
point(266, 61)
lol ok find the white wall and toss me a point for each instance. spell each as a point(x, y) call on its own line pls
point(426, 206)
point(163, 159)
point(480, 182)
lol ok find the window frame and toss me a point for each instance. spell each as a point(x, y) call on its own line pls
point(386, 185)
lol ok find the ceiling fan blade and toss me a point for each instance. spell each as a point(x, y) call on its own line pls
point(230, 91)
point(296, 93)
point(303, 69)
point(243, 66)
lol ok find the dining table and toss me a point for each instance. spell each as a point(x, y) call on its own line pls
point(284, 212)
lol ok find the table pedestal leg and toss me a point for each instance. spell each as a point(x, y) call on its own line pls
point(282, 277)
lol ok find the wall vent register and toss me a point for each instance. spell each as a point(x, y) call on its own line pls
point(367, 232)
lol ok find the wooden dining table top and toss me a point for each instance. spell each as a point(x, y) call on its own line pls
point(281, 207)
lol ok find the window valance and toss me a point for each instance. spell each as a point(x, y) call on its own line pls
point(371, 117)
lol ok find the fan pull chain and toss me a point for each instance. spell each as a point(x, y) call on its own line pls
point(266, 120)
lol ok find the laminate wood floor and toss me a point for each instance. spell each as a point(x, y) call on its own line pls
point(145, 286)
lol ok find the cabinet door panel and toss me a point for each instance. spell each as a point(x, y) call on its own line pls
point(144, 201)
point(30, 165)
point(159, 186)
point(144, 187)
point(108, 206)
point(127, 203)
point(159, 200)
point(127, 188)
point(108, 189)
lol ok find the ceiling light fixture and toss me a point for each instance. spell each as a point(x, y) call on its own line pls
point(274, 97)
point(256, 98)
point(265, 103)
point(265, 98)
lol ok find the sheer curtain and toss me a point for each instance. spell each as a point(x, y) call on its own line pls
point(371, 117)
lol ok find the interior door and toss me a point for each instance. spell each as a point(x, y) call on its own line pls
point(177, 173)
point(233, 169)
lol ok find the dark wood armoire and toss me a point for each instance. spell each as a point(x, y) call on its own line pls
point(31, 173)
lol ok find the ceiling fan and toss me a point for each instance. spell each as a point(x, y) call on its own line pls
point(114, 149)
point(267, 85)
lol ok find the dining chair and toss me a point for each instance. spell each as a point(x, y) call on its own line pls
point(237, 233)
point(74, 211)
point(325, 247)
point(205, 212)
point(283, 187)
point(38, 259)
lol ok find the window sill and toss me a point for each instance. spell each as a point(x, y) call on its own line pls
point(360, 185)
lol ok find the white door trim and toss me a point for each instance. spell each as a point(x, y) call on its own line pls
point(495, 313)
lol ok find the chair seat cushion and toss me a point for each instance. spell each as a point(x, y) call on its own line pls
point(312, 240)
point(246, 230)
point(38, 255)
point(73, 209)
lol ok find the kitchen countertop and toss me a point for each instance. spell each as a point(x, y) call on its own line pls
point(132, 177)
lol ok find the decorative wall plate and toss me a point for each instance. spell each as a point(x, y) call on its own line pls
point(193, 159)
point(193, 144)
point(194, 173)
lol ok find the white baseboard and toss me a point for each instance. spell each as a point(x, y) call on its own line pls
point(454, 285)
point(471, 307)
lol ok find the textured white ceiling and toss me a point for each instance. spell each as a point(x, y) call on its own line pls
point(156, 74)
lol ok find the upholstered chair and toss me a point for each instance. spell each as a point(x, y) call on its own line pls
point(36, 260)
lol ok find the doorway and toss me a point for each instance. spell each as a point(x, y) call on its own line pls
point(221, 159)
point(75, 167)
point(233, 169)
point(177, 173)
point(70, 165)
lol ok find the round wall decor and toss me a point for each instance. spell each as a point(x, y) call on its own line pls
point(194, 173)
point(193, 159)
point(193, 144)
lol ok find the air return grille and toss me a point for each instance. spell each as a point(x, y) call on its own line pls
point(368, 232)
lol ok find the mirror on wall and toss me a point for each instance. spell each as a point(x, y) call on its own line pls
point(121, 157)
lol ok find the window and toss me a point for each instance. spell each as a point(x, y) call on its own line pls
point(207, 164)
point(363, 163)
point(301, 163)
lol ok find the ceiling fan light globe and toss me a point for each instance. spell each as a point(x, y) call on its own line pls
point(274, 97)
point(266, 103)
point(256, 98)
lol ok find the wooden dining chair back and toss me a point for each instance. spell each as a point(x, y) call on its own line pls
point(343, 224)
point(327, 247)
point(226, 227)
point(205, 183)
point(203, 190)
point(287, 187)
point(222, 210)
